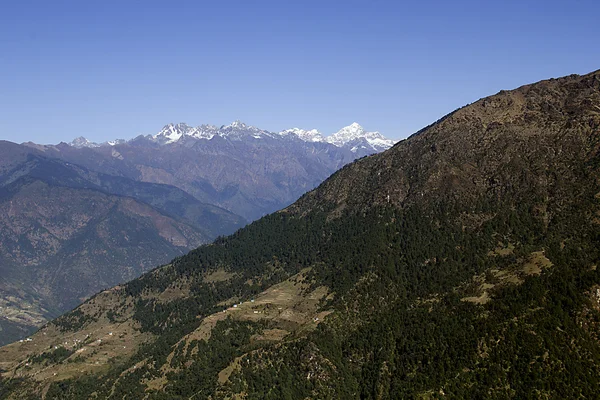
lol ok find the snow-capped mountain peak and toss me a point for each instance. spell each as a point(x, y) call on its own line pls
point(83, 142)
point(347, 134)
point(237, 124)
point(204, 132)
point(171, 133)
point(351, 134)
point(238, 130)
point(312, 135)
point(353, 137)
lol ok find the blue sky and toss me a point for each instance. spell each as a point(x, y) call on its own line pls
point(116, 69)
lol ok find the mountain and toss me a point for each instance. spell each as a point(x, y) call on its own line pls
point(172, 133)
point(358, 140)
point(345, 137)
point(81, 142)
point(353, 137)
point(460, 263)
point(244, 169)
point(312, 135)
point(66, 233)
point(204, 177)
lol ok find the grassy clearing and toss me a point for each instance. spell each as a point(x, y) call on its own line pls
point(503, 250)
point(533, 264)
point(218, 275)
point(536, 262)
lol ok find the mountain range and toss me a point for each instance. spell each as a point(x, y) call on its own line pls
point(353, 136)
point(78, 218)
point(460, 263)
point(246, 170)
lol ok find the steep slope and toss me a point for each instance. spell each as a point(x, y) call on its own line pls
point(61, 245)
point(67, 233)
point(211, 220)
point(460, 263)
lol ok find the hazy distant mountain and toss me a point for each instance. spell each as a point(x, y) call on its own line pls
point(347, 137)
point(312, 135)
point(67, 232)
point(244, 169)
point(360, 141)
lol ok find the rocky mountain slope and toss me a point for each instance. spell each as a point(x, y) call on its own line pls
point(67, 233)
point(461, 263)
point(246, 170)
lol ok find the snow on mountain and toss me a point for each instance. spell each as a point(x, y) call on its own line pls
point(308, 136)
point(353, 137)
point(346, 134)
point(238, 130)
point(354, 132)
point(173, 132)
point(83, 142)
point(115, 142)
point(204, 131)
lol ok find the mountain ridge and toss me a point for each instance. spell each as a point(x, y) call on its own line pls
point(248, 171)
point(172, 133)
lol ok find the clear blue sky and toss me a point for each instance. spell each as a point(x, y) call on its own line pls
point(108, 69)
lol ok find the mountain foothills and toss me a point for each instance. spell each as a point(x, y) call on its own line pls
point(246, 170)
point(80, 217)
point(460, 263)
point(67, 233)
